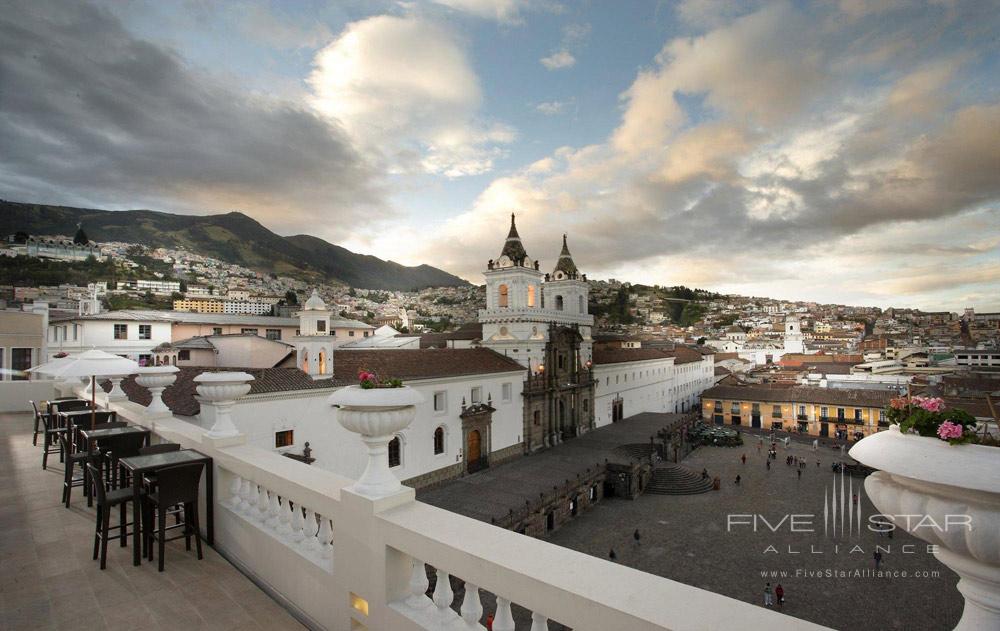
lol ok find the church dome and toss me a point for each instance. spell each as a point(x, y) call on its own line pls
point(565, 267)
point(513, 249)
point(315, 303)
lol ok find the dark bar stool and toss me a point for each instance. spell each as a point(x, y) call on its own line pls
point(72, 459)
point(106, 500)
point(38, 421)
point(175, 485)
point(118, 447)
point(50, 443)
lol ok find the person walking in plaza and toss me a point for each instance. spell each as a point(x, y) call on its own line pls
point(612, 555)
point(768, 464)
point(768, 601)
point(779, 595)
point(744, 458)
point(817, 463)
point(737, 479)
point(878, 558)
point(704, 474)
point(799, 471)
point(637, 537)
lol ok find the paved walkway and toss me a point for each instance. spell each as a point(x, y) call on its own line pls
point(494, 492)
point(685, 538)
point(48, 580)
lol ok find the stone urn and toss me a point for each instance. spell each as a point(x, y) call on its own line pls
point(377, 414)
point(221, 389)
point(156, 379)
point(949, 496)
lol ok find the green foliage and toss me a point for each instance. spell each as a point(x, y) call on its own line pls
point(291, 298)
point(27, 271)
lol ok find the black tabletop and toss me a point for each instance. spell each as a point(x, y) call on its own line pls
point(138, 464)
point(97, 434)
point(80, 412)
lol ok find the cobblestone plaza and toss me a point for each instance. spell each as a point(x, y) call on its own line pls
point(709, 541)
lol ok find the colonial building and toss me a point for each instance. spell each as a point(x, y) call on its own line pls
point(822, 412)
point(541, 321)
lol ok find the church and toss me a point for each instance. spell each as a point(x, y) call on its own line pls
point(541, 320)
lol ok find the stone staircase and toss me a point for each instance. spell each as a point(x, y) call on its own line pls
point(674, 479)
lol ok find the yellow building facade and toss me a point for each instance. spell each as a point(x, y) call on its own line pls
point(820, 412)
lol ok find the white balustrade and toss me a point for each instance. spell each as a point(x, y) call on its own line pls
point(539, 622)
point(443, 595)
point(503, 620)
point(418, 600)
point(296, 535)
point(472, 607)
point(309, 529)
point(273, 512)
point(262, 503)
point(235, 501)
point(285, 520)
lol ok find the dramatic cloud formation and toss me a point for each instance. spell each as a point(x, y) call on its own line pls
point(90, 115)
point(403, 88)
point(761, 153)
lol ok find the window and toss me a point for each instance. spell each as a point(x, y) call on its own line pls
point(272, 334)
point(857, 414)
point(145, 331)
point(248, 331)
point(76, 328)
point(502, 302)
point(580, 301)
point(284, 438)
point(395, 452)
point(440, 402)
point(536, 418)
point(321, 326)
point(350, 334)
point(559, 303)
point(477, 394)
point(145, 360)
point(121, 331)
point(216, 330)
point(531, 295)
point(824, 412)
point(184, 355)
point(505, 390)
point(366, 333)
point(20, 360)
point(439, 441)
point(776, 411)
point(840, 413)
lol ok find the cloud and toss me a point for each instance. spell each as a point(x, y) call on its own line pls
point(404, 90)
point(558, 60)
point(280, 30)
point(760, 154)
point(551, 108)
point(501, 10)
point(91, 115)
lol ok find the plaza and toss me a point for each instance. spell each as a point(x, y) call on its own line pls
point(827, 579)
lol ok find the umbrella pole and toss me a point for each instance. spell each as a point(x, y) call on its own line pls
point(93, 400)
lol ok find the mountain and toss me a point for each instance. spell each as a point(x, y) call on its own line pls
point(232, 237)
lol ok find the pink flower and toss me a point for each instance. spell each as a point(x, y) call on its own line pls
point(931, 404)
point(949, 430)
point(898, 404)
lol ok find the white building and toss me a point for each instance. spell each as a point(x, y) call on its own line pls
point(132, 334)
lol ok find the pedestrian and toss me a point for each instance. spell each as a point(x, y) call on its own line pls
point(854, 499)
point(768, 601)
point(489, 622)
point(737, 479)
point(799, 471)
point(612, 555)
point(779, 595)
point(744, 458)
point(817, 463)
point(768, 464)
point(637, 537)
point(878, 558)
point(704, 474)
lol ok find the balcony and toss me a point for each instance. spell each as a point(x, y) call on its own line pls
point(802, 417)
point(339, 559)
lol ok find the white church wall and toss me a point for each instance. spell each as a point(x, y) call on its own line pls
point(644, 386)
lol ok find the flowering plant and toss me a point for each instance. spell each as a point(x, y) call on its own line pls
point(929, 416)
point(370, 380)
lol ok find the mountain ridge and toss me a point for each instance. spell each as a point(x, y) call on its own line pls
point(232, 237)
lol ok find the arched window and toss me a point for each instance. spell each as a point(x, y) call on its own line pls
point(531, 295)
point(305, 361)
point(503, 296)
point(580, 301)
point(559, 303)
point(322, 363)
point(395, 452)
point(439, 440)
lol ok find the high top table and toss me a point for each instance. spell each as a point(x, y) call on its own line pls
point(140, 465)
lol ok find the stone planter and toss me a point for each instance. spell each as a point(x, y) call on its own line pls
point(221, 389)
point(376, 414)
point(956, 486)
point(156, 379)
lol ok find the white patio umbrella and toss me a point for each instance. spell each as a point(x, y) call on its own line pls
point(93, 364)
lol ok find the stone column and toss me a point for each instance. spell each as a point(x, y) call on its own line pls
point(221, 389)
point(156, 379)
point(116, 394)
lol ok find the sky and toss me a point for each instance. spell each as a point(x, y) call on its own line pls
point(842, 152)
